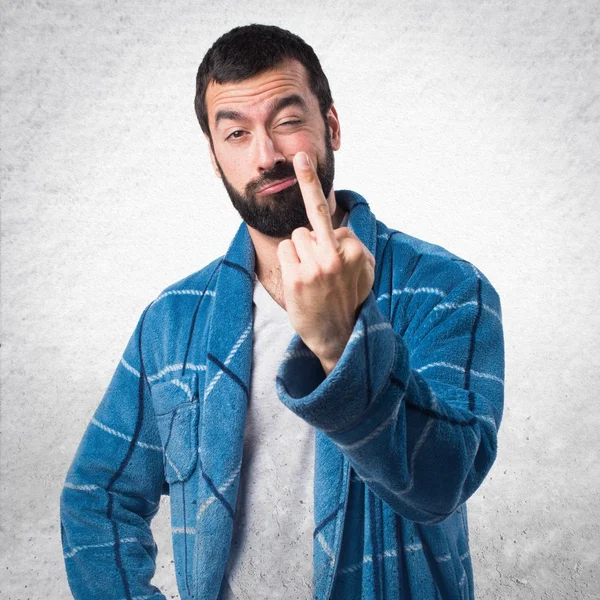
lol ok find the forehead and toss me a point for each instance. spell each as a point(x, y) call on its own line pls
point(258, 92)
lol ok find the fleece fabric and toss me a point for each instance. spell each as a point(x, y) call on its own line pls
point(406, 430)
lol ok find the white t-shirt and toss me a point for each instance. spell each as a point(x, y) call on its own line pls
point(271, 551)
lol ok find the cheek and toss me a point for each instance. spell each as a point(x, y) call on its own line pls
point(232, 167)
point(306, 141)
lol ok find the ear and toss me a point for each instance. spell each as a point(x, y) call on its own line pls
point(334, 127)
point(213, 159)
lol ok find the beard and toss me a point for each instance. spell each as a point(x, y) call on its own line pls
point(278, 214)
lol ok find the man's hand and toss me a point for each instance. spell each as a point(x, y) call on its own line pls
point(327, 274)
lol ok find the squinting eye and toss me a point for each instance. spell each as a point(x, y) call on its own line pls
point(292, 122)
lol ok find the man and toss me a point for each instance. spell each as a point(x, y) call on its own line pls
point(353, 364)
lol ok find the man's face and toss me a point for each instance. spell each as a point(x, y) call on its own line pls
point(257, 127)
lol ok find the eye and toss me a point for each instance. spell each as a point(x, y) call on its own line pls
point(291, 122)
point(235, 135)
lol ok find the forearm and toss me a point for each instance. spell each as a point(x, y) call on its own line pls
point(112, 492)
point(420, 450)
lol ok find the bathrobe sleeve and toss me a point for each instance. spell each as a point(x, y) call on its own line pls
point(414, 406)
point(112, 492)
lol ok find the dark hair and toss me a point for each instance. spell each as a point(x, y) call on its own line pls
point(247, 51)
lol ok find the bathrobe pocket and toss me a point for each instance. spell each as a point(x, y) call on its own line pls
point(176, 406)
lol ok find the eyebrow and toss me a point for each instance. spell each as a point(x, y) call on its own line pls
point(233, 115)
point(291, 100)
point(280, 104)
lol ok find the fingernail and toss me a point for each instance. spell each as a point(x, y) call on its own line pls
point(303, 160)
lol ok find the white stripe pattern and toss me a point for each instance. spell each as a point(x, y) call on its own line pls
point(163, 371)
point(222, 490)
point(229, 358)
point(74, 551)
point(383, 326)
point(369, 559)
point(82, 488)
point(123, 436)
point(461, 369)
point(183, 386)
point(301, 353)
point(172, 368)
point(455, 305)
point(409, 290)
point(129, 367)
point(326, 548)
point(376, 432)
point(421, 290)
point(413, 548)
point(463, 556)
point(185, 293)
point(442, 559)
point(476, 271)
point(92, 487)
point(184, 530)
point(422, 438)
point(366, 560)
point(173, 466)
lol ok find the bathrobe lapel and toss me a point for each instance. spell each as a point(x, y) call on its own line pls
point(224, 403)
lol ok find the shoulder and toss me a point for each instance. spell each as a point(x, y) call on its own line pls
point(428, 266)
point(180, 299)
point(402, 256)
point(164, 329)
point(193, 284)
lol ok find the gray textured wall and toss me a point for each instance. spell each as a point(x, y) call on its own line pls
point(474, 125)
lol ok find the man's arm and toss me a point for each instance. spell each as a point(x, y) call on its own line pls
point(112, 492)
point(419, 424)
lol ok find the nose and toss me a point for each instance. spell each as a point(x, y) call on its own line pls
point(267, 153)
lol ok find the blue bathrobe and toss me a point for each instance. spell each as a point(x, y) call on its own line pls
point(405, 430)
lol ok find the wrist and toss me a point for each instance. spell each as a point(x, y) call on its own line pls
point(328, 365)
point(330, 355)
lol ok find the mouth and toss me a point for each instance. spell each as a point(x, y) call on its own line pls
point(277, 186)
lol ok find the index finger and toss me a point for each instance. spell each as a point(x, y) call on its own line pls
point(315, 202)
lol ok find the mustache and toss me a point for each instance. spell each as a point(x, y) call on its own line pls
point(279, 171)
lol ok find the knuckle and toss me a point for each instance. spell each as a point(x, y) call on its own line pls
point(318, 271)
point(300, 233)
point(306, 278)
point(352, 248)
point(296, 282)
point(340, 233)
point(359, 255)
point(309, 176)
point(332, 265)
point(355, 257)
point(322, 208)
point(284, 246)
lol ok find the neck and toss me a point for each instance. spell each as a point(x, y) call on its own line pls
point(267, 266)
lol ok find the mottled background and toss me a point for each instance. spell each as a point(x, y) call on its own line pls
point(474, 125)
